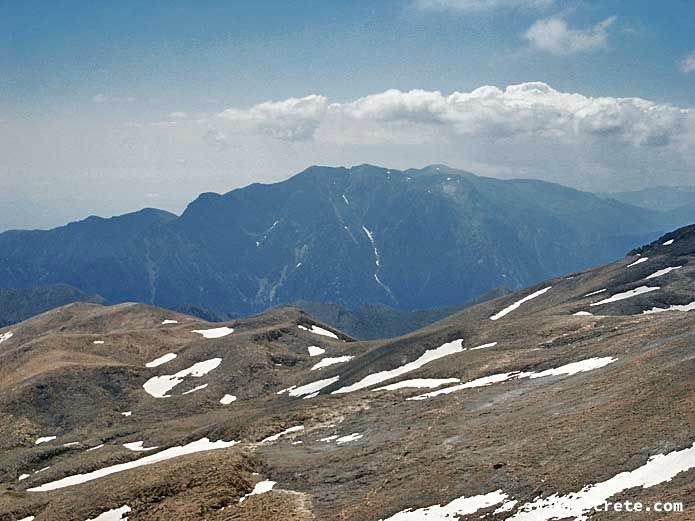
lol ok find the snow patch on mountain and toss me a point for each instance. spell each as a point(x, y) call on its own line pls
point(262, 487)
point(315, 350)
point(310, 388)
point(428, 356)
point(377, 261)
point(137, 446)
point(573, 368)
point(658, 469)
point(116, 514)
point(159, 386)
point(596, 292)
point(227, 399)
point(217, 332)
point(161, 360)
point(638, 261)
point(197, 388)
point(422, 383)
point(276, 437)
point(201, 445)
point(674, 307)
point(662, 272)
point(518, 303)
point(325, 362)
point(491, 344)
point(458, 507)
point(350, 437)
point(318, 331)
point(626, 295)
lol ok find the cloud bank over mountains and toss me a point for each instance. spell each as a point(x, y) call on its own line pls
point(527, 110)
point(528, 130)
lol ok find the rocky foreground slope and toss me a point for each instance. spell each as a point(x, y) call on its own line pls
point(538, 405)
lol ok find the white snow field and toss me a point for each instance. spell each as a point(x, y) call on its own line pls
point(326, 362)
point(197, 388)
point(567, 370)
point(491, 344)
point(662, 272)
point(161, 360)
point(428, 356)
point(116, 514)
point(451, 511)
point(276, 437)
point(137, 446)
point(674, 307)
point(518, 303)
point(626, 295)
point(596, 292)
point(638, 261)
point(310, 389)
point(201, 445)
point(315, 350)
point(217, 332)
point(260, 488)
point(159, 386)
point(423, 383)
point(574, 505)
point(227, 399)
point(318, 331)
point(658, 469)
point(350, 437)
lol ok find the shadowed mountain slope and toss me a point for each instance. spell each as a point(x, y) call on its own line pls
point(411, 239)
point(19, 304)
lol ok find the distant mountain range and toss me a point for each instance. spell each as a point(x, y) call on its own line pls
point(665, 198)
point(19, 304)
point(413, 239)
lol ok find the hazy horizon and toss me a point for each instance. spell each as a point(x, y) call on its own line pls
point(111, 108)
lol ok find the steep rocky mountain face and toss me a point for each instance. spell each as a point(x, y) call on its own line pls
point(538, 405)
point(19, 304)
point(408, 239)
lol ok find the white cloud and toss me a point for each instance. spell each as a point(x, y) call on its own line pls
point(482, 5)
point(520, 131)
point(533, 110)
point(687, 64)
point(178, 115)
point(554, 35)
point(293, 119)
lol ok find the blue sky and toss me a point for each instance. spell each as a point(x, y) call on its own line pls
point(97, 95)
